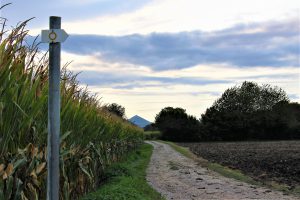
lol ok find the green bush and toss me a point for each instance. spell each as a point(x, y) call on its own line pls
point(152, 135)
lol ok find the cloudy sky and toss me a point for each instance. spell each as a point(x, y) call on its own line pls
point(149, 54)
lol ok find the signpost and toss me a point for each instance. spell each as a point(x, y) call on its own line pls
point(54, 37)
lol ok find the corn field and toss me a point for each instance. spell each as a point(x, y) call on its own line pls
point(91, 138)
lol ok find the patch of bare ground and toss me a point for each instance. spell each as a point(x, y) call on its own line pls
point(273, 161)
point(180, 178)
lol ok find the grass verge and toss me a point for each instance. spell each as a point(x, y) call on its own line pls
point(231, 173)
point(127, 179)
point(183, 150)
point(152, 135)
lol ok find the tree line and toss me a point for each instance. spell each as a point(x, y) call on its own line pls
point(245, 112)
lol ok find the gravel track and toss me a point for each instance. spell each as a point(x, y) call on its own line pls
point(177, 177)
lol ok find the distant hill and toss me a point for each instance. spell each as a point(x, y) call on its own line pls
point(139, 121)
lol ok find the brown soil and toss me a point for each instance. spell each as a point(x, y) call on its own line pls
point(277, 161)
point(179, 178)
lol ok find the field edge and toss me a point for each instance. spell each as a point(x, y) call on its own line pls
point(127, 179)
point(231, 173)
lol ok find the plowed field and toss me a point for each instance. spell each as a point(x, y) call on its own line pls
point(268, 161)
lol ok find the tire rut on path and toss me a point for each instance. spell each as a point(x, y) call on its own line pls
point(177, 177)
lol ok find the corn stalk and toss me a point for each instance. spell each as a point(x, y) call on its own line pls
point(92, 138)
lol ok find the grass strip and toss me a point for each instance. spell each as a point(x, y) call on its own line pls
point(183, 150)
point(127, 179)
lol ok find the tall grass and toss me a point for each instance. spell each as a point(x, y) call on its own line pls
point(91, 137)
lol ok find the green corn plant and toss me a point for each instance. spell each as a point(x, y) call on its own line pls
point(91, 137)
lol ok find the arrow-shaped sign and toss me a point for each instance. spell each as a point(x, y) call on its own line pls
point(54, 35)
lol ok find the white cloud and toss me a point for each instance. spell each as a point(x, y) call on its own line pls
point(151, 96)
point(186, 15)
point(93, 63)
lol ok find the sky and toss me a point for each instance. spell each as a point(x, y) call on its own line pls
point(149, 54)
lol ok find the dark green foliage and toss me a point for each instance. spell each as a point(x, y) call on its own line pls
point(116, 109)
point(151, 127)
point(152, 135)
point(250, 112)
point(249, 97)
point(176, 125)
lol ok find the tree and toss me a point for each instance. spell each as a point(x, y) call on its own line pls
point(116, 109)
point(250, 97)
point(246, 112)
point(176, 125)
point(287, 119)
point(150, 127)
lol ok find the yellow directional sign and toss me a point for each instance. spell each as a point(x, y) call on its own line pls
point(54, 35)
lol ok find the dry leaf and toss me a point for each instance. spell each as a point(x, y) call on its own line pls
point(34, 151)
point(4, 176)
point(40, 155)
point(2, 166)
point(9, 169)
point(40, 167)
point(33, 174)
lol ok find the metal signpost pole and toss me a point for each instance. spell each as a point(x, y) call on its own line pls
point(54, 36)
point(53, 113)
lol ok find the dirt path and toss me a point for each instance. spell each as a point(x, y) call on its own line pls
point(177, 177)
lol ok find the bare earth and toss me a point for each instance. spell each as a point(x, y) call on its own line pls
point(179, 178)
